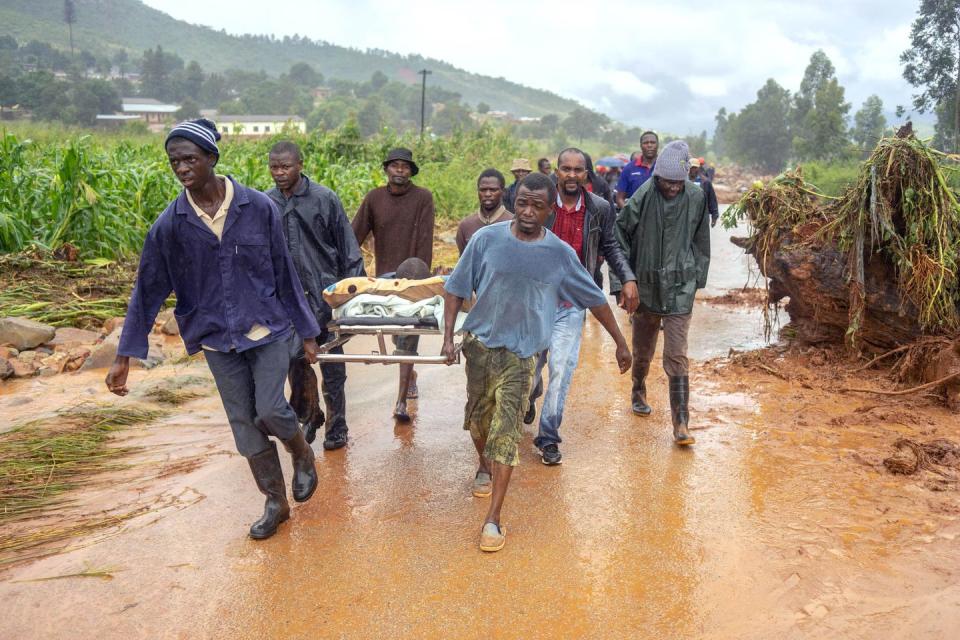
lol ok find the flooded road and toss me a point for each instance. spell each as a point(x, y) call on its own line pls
point(756, 532)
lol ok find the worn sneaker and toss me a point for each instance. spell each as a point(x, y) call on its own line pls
point(550, 455)
point(492, 537)
point(482, 484)
point(530, 414)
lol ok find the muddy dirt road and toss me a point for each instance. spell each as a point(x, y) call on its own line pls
point(777, 524)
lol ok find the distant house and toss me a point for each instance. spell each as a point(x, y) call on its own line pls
point(115, 120)
point(260, 125)
point(320, 94)
point(151, 111)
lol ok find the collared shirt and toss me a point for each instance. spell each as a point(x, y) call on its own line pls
point(215, 224)
point(568, 224)
point(633, 176)
point(224, 287)
point(476, 221)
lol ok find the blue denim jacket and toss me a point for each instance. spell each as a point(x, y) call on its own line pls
point(222, 288)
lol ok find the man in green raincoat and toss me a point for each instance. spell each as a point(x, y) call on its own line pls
point(665, 231)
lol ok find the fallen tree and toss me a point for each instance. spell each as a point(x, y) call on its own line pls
point(875, 269)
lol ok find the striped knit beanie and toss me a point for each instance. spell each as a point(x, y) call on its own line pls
point(673, 163)
point(200, 132)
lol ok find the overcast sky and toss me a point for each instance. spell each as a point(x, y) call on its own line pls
point(663, 64)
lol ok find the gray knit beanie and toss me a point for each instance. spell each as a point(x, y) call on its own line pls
point(673, 162)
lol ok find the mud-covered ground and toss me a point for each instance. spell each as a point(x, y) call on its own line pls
point(781, 522)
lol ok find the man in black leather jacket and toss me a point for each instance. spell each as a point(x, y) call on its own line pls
point(324, 250)
point(585, 222)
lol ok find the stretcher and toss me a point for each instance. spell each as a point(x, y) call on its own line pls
point(348, 324)
point(341, 332)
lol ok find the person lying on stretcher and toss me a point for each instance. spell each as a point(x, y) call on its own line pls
point(411, 282)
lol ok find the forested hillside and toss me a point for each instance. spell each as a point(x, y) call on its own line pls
point(106, 27)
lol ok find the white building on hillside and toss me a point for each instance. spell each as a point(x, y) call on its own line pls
point(260, 125)
point(151, 111)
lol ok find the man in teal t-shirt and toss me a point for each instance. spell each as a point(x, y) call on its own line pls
point(519, 271)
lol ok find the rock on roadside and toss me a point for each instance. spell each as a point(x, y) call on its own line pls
point(22, 333)
point(68, 338)
point(6, 369)
point(104, 354)
point(167, 323)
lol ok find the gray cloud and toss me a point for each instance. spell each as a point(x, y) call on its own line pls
point(666, 65)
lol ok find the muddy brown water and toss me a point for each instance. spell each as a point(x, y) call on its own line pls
point(764, 529)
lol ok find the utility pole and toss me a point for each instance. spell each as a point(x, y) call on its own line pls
point(423, 100)
point(70, 16)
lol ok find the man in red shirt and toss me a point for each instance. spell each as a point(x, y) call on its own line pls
point(585, 222)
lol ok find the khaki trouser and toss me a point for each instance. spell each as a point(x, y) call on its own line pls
point(646, 329)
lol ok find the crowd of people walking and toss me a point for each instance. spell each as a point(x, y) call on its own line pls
point(248, 270)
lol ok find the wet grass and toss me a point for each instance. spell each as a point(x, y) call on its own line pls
point(178, 390)
point(36, 284)
point(42, 460)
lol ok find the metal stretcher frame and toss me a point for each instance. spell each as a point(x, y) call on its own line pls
point(341, 334)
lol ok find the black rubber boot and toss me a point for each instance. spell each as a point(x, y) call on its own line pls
point(266, 470)
point(304, 468)
point(639, 404)
point(679, 400)
point(639, 396)
point(336, 402)
point(679, 412)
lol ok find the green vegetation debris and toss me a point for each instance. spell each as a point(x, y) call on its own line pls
point(41, 460)
point(901, 205)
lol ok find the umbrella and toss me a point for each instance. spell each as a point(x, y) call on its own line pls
point(611, 161)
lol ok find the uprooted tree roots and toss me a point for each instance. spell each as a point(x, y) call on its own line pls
point(940, 457)
point(876, 268)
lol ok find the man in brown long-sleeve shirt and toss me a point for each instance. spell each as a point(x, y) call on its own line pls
point(400, 216)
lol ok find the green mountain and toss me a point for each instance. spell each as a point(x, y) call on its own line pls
point(106, 26)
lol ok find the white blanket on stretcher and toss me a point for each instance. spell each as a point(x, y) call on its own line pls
point(369, 305)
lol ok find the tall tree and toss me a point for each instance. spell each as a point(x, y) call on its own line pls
point(932, 63)
point(820, 112)
point(818, 73)
point(191, 81)
point(157, 70)
point(378, 80)
point(120, 60)
point(370, 119)
point(698, 144)
point(305, 75)
point(869, 124)
point(721, 143)
point(584, 123)
point(9, 95)
point(70, 17)
point(760, 134)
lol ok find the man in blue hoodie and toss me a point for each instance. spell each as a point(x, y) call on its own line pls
point(219, 247)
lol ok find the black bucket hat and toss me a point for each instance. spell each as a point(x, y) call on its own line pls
point(402, 154)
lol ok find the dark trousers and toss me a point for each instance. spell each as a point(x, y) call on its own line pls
point(251, 388)
point(646, 331)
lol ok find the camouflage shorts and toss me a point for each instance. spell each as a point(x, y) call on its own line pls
point(498, 386)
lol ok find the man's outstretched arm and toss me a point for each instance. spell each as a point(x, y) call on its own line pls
point(604, 315)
